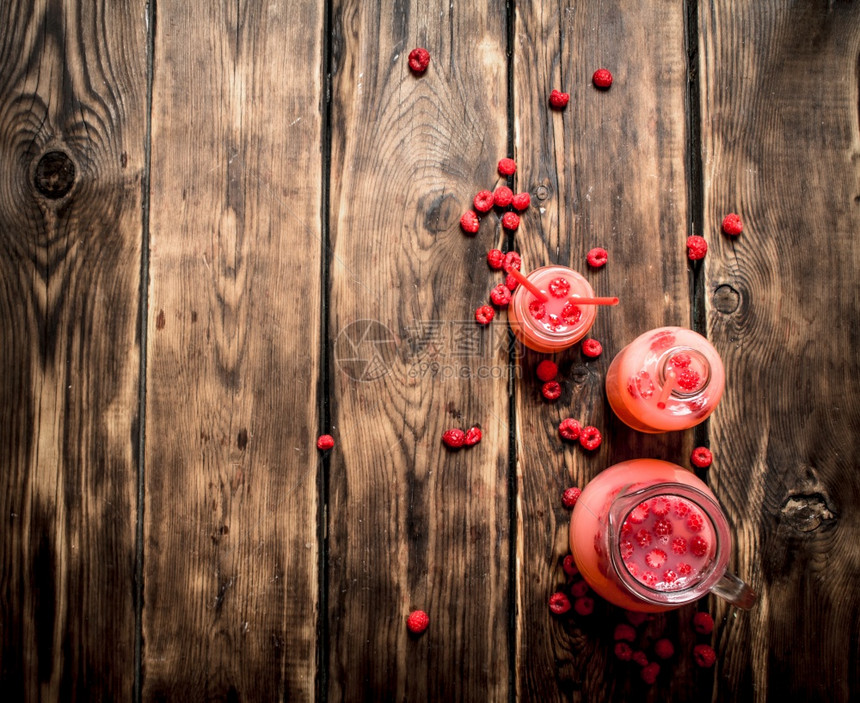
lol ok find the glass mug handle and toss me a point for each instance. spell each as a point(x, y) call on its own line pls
point(736, 592)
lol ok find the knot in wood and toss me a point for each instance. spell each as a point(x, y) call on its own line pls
point(55, 175)
point(806, 513)
point(542, 193)
point(726, 299)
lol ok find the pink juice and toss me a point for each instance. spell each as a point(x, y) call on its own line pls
point(667, 379)
point(557, 323)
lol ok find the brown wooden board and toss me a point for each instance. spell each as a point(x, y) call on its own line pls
point(231, 474)
point(780, 142)
point(609, 170)
point(411, 525)
point(72, 134)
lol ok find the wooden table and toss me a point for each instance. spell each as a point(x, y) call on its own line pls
point(226, 228)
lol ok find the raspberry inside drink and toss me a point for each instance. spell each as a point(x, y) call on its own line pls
point(559, 322)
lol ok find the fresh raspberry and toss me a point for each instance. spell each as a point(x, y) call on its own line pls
point(682, 509)
point(624, 632)
point(503, 196)
point(597, 257)
point(704, 655)
point(584, 605)
point(512, 261)
point(558, 100)
point(679, 545)
point(559, 603)
point(590, 438)
point(649, 672)
point(569, 566)
point(495, 258)
point(579, 589)
point(684, 569)
point(569, 429)
point(454, 438)
point(559, 287)
point(547, 370)
point(417, 621)
point(473, 436)
point(507, 167)
point(649, 578)
point(537, 309)
point(571, 313)
point(551, 390)
point(484, 315)
point(631, 567)
point(500, 295)
point(521, 201)
point(695, 522)
point(510, 220)
point(701, 457)
point(325, 442)
point(699, 546)
point(669, 576)
point(483, 201)
point(660, 506)
point(643, 538)
point(419, 60)
point(470, 222)
point(592, 348)
point(680, 360)
point(626, 548)
point(639, 514)
point(732, 224)
point(703, 623)
point(511, 283)
point(602, 78)
point(663, 527)
point(635, 618)
point(655, 558)
point(640, 658)
point(623, 651)
point(688, 380)
point(697, 247)
point(570, 496)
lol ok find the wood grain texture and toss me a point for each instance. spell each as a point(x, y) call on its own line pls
point(411, 525)
point(781, 142)
point(608, 171)
point(231, 501)
point(72, 82)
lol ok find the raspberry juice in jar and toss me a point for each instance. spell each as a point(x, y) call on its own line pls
point(649, 536)
point(667, 379)
point(558, 323)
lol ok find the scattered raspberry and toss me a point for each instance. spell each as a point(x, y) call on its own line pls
point(704, 655)
point(682, 509)
point(597, 257)
point(688, 380)
point(640, 658)
point(507, 167)
point(701, 457)
point(703, 623)
point(325, 442)
point(590, 438)
point(511, 283)
point(624, 632)
point(551, 390)
point(484, 315)
point(512, 261)
point(663, 527)
point(660, 506)
point(569, 429)
point(470, 222)
point(547, 370)
point(635, 618)
point(503, 196)
point(655, 558)
point(732, 224)
point(570, 496)
point(559, 603)
point(569, 566)
point(643, 538)
point(699, 546)
point(684, 569)
point(510, 220)
point(495, 258)
point(559, 287)
point(649, 578)
point(680, 360)
point(500, 295)
point(695, 522)
point(649, 672)
point(483, 201)
point(592, 348)
point(697, 247)
point(639, 514)
point(584, 605)
point(558, 100)
point(679, 545)
point(669, 576)
point(521, 201)
point(623, 651)
point(419, 60)
point(417, 621)
point(473, 436)
point(602, 78)
point(454, 438)
point(579, 589)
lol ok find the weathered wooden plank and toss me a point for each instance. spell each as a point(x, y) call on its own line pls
point(72, 134)
point(230, 513)
point(780, 142)
point(608, 171)
point(410, 524)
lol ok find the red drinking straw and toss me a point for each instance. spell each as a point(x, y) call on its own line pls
point(668, 387)
point(528, 285)
point(594, 301)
